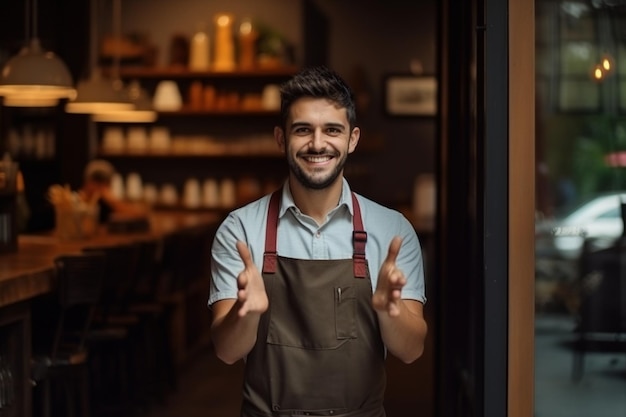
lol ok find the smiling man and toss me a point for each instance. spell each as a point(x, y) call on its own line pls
point(314, 284)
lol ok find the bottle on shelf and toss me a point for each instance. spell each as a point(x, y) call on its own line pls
point(248, 36)
point(224, 43)
point(199, 50)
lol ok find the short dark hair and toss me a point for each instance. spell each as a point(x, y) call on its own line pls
point(317, 82)
point(99, 171)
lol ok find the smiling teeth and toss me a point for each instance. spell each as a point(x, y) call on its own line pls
point(318, 158)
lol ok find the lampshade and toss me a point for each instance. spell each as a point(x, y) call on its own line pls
point(28, 100)
point(142, 111)
point(98, 94)
point(36, 73)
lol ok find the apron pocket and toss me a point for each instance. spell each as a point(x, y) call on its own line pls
point(345, 312)
point(310, 325)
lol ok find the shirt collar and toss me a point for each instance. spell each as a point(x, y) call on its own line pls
point(287, 198)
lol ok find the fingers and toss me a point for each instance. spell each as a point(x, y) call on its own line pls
point(242, 294)
point(394, 249)
point(388, 302)
point(388, 294)
point(245, 254)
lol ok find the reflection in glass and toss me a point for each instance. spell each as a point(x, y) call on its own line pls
point(580, 247)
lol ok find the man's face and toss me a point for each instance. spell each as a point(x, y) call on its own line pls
point(317, 142)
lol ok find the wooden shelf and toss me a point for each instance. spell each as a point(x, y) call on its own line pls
point(182, 155)
point(179, 72)
point(187, 111)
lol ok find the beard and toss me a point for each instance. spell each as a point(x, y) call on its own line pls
point(313, 181)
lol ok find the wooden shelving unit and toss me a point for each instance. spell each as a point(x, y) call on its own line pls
point(180, 72)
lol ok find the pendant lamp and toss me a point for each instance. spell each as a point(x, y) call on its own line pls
point(25, 100)
point(34, 75)
point(98, 93)
point(143, 111)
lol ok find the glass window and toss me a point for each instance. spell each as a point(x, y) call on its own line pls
point(580, 277)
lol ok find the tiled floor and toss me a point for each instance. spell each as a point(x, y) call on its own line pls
point(209, 388)
point(600, 393)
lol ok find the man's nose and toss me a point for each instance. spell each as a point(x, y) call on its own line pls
point(317, 140)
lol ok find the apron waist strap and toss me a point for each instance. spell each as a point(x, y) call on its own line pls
point(372, 410)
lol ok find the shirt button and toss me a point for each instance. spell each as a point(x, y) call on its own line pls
point(318, 234)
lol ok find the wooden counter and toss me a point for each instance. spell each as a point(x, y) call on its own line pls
point(29, 272)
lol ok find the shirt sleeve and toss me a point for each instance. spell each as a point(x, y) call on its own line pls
point(410, 261)
point(225, 261)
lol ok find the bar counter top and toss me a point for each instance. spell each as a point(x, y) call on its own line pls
point(29, 271)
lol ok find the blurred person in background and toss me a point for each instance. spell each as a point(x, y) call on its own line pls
point(97, 181)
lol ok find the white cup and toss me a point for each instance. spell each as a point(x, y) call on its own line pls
point(137, 139)
point(270, 98)
point(117, 186)
point(150, 194)
point(167, 96)
point(160, 140)
point(113, 139)
point(210, 193)
point(134, 187)
point(168, 195)
point(191, 193)
point(228, 193)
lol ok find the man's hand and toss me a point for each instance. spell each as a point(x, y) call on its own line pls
point(251, 296)
point(390, 282)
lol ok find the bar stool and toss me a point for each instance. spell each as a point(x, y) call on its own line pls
point(183, 285)
point(62, 358)
point(113, 339)
point(135, 360)
point(144, 302)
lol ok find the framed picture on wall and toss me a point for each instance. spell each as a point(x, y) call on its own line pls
point(410, 95)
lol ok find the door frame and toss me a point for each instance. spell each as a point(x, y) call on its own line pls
point(485, 241)
point(521, 319)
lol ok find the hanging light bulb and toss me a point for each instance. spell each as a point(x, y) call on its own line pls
point(607, 63)
point(98, 93)
point(34, 74)
point(598, 72)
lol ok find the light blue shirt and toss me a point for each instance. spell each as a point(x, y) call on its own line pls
point(300, 237)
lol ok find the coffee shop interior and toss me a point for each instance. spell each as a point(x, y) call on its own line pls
point(203, 78)
point(180, 98)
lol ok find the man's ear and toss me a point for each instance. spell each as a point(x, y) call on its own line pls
point(279, 135)
point(355, 135)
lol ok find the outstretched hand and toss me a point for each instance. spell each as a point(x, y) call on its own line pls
point(391, 280)
point(251, 294)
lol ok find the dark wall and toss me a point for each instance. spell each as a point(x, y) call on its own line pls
point(372, 39)
point(375, 39)
point(62, 27)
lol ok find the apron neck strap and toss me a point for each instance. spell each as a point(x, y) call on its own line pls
point(271, 228)
point(359, 237)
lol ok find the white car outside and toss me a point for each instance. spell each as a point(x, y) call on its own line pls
point(599, 219)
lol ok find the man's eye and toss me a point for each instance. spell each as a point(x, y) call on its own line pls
point(301, 131)
point(333, 131)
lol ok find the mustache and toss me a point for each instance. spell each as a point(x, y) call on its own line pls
point(318, 153)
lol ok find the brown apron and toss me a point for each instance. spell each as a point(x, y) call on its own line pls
point(318, 350)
